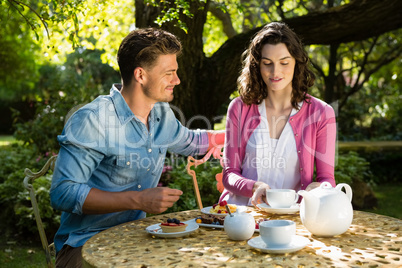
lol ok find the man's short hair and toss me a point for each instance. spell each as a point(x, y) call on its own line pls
point(142, 47)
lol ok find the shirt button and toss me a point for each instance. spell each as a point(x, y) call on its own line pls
point(148, 169)
point(291, 119)
point(298, 151)
point(128, 163)
point(301, 169)
point(149, 150)
point(139, 186)
point(150, 134)
point(297, 135)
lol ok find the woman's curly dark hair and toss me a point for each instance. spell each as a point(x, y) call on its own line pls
point(251, 86)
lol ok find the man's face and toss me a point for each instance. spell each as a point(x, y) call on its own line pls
point(160, 79)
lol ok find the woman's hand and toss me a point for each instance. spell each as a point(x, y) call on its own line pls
point(313, 185)
point(259, 195)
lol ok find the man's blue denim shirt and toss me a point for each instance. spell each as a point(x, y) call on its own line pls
point(104, 146)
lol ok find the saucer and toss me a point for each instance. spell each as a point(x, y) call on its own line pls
point(297, 243)
point(156, 230)
point(267, 208)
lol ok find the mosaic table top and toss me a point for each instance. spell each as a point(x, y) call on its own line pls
point(371, 241)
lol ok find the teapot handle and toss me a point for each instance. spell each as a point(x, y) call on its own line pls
point(349, 193)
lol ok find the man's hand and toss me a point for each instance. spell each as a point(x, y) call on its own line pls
point(157, 200)
point(216, 138)
point(152, 200)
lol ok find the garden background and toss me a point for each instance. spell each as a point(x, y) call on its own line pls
point(60, 54)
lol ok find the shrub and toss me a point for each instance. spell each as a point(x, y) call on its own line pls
point(350, 167)
point(16, 216)
point(180, 179)
point(63, 90)
point(24, 211)
point(384, 165)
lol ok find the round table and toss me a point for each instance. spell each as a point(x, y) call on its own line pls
point(372, 241)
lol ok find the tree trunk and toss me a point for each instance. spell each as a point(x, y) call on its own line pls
point(330, 80)
point(207, 83)
point(187, 96)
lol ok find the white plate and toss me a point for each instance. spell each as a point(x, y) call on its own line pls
point(297, 243)
point(210, 225)
point(293, 209)
point(156, 230)
point(216, 226)
point(207, 209)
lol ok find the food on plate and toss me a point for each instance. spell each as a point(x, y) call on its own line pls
point(219, 220)
point(210, 219)
point(220, 208)
point(173, 226)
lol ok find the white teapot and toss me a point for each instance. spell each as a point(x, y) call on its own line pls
point(327, 211)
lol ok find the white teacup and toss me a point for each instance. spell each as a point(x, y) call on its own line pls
point(277, 233)
point(281, 198)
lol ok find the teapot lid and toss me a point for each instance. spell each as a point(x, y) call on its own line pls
point(324, 189)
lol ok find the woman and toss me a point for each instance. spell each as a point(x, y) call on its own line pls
point(275, 131)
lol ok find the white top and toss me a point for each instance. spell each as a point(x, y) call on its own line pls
point(273, 161)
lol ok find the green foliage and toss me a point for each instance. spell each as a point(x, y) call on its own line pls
point(171, 13)
point(64, 89)
point(384, 166)
point(19, 56)
point(352, 167)
point(180, 179)
point(16, 216)
point(41, 13)
point(24, 211)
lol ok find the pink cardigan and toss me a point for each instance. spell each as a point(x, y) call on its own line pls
point(314, 129)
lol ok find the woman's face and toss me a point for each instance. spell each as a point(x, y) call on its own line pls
point(277, 67)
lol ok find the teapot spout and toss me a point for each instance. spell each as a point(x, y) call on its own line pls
point(310, 204)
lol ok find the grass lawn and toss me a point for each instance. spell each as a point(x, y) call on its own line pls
point(389, 198)
point(6, 140)
point(19, 253)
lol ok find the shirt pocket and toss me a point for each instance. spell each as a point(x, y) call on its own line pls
point(159, 161)
point(125, 170)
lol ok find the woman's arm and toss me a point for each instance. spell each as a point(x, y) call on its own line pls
point(325, 147)
point(232, 179)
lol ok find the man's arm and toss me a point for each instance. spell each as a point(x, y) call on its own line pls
point(153, 200)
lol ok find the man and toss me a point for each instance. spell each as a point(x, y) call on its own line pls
point(113, 149)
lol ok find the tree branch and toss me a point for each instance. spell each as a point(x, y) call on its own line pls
point(386, 60)
point(331, 26)
point(13, 2)
point(365, 59)
point(355, 21)
point(224, 17)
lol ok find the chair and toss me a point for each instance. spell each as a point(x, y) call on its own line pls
point(29, 178)
point(191, 161)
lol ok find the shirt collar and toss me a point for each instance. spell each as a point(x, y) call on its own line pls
point(124, 112)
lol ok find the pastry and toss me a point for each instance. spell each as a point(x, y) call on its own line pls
point(173, 226)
